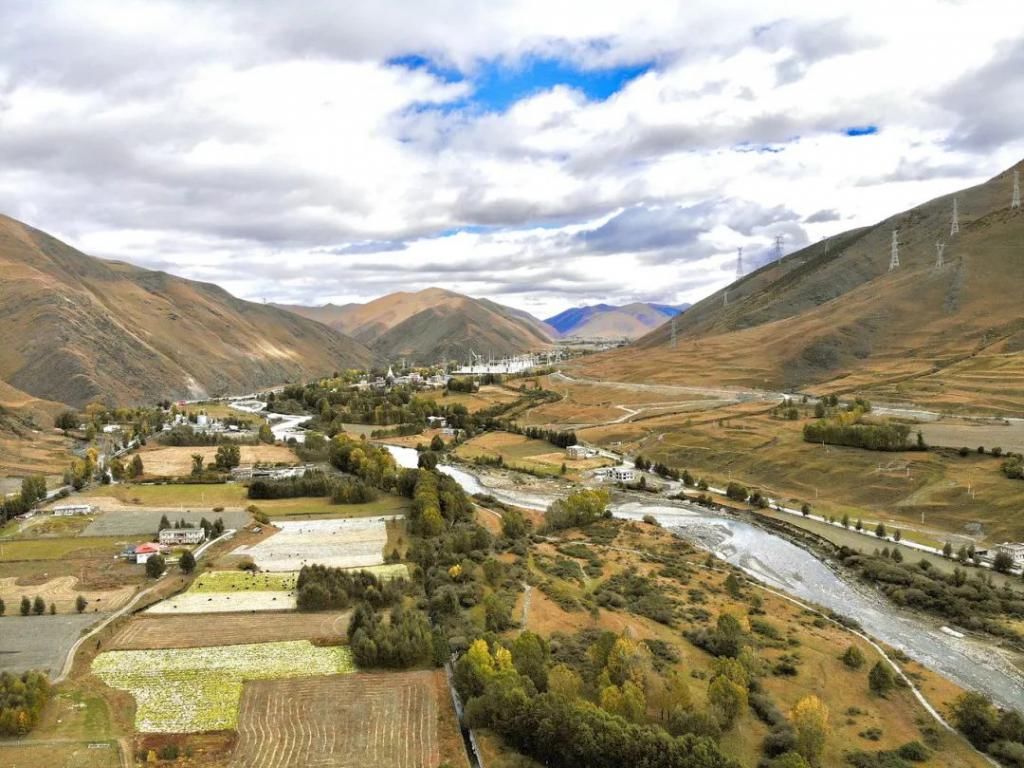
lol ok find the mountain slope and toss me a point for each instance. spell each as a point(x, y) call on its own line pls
point(837, 314)
point(434, 323)
point(77, 328)
point(605, 321)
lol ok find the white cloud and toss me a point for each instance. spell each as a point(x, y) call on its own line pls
point(249, 144)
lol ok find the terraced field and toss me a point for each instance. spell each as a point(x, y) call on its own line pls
point(197, 631)
point(386, 720)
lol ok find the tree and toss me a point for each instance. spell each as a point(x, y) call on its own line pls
point(136, 466)
point(976, 718)
point(227, 457)
point(881, 679)
point(66, 420)
point(898, 535)
point(947, 550)
point(564, 681)
point(3, 606)
point(187, 562)
point(1002, 562)
point(26, 606)
point(38, 606)
point(497, 613)
point(727, 700)
point(530, 657)
point(80, 603)
point(266, 434)
point(155, 566)
point(805, 509)
point(436, 444)
point(197, 463)
point(853, 657)
point(578, 509)
point(53, 609)
point(846, 520)
point(860, 525)
point(164, 523)
point(789, 760)
point(810, 721)
point(880, 530)
point(513, 524)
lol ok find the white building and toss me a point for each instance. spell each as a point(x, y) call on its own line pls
point(1014, 550)
point(623, 475)
point(67, 510)
point(579, 452)
point(171, 536)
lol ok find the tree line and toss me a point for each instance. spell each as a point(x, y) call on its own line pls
point(872, 437)
point(322, 588)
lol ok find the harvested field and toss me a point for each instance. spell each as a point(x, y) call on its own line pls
point(193, 690)
point(177, 461)
point(63, 591)
point(138, 522)
point(348, 543)
point(145, 633)
point(86, 754)
point(40, 642)
point(225, 602)
point(380, 720)
point(954, 434)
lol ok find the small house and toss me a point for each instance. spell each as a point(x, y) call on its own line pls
point(623, 475)
point(579, 452)
point(145, 551)
point(175, 536)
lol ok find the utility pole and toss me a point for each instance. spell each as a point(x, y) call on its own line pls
point(939, 248)
point(955, 227)
point(739, 262)
point(894, 259)
point(1015, 203)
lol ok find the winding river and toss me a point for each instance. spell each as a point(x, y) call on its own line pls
point(791, 569)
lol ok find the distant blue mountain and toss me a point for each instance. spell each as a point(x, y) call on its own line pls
point(609, 321)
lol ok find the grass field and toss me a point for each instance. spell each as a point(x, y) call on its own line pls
point(519, 451)
point(243, 581)
point(149, 632)
point(59, 548)
point(385, 720)
point(198, 689)
point(176, 461)
point(484, 398)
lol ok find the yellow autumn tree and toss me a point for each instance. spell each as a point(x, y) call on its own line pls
point(810, 721)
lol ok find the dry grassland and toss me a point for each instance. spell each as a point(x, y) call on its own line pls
point(176, 461)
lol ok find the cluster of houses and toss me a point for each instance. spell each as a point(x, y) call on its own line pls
point(256, 472)
point(167, 538)
point(203, 423)
point(414, 380)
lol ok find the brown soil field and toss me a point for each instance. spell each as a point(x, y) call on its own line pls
point(176, 461)
point(385, 720)
point(150, 632)
point(100, 754)
point(63, 591)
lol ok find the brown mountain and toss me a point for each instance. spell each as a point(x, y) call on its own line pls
point(77, 328)
point(432, 324)
point(833, 316)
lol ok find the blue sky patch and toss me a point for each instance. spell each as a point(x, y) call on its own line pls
point(861, 130)
point(498, 84)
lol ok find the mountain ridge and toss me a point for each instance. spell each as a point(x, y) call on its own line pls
point(608, 321)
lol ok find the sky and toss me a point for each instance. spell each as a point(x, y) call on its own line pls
point(540, 154)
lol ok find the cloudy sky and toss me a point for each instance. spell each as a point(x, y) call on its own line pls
point(542, 153)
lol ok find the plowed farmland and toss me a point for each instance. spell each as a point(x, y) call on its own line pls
point(196, 631)
point(388, 720)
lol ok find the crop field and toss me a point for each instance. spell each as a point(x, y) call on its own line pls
point(954, 434)
point(139, 522)
point(168, 496)
point(149, 632)
point(484, 398)
point(39, 642)
point(348, 543)
point(225, 602)
point(232, 581)
point(175, 461)
point(310, 508)
point(62, 592)
point(193, 690)
point(385, 720)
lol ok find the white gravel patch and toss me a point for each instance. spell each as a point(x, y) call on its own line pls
point(226, 602)
point(349, 543)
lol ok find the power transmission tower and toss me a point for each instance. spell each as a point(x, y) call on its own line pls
point(955, 228)
point(939, 248)
point(1015, 203)
point(894, 260)
point(739, 262)
point(725, 298)
point(778, 247)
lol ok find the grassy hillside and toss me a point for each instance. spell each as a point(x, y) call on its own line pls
point(83, 328)
point(950, 336)
point(434, 323)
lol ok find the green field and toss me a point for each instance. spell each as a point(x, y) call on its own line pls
point(243, 581)
point(58, 548)
point(193, 690)
point(385, 505)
